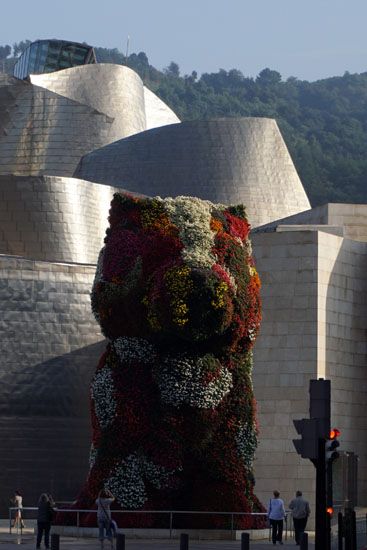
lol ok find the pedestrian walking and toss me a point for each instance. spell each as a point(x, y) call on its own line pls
point(18, 502)
point(45, 515)
point(276, 515)
point(104, 501)
point(300, 511)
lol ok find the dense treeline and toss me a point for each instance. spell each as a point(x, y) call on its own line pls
point(324, 123)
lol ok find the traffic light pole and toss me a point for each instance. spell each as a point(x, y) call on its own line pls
point(318, 443)
point(322, 538)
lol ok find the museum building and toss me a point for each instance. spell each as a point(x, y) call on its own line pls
point(72, 133)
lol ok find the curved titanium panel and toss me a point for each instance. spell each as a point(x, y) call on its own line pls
point(43, 132)
point(157, 112)
point(49, 343)
point(225, 160)
point(54, 219)
point(114, 90)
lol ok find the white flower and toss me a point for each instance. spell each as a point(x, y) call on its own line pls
point(92, 456)
point(131, 349)
point(246, 440)
point(192, 217)
point(127, 482)
point(180, 380)
point(102, 393)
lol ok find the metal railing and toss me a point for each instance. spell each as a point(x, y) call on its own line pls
point(232, 516)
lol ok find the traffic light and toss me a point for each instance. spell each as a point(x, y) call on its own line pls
point(308, 429)
point(331, 445)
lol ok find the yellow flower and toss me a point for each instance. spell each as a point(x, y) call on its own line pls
point(179, 285)
point(220, 292)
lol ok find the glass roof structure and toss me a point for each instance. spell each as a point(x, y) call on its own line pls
point(47, 56)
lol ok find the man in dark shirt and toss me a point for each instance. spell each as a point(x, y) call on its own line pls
point(300, 512)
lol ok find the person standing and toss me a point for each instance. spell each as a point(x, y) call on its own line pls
point(276, 515)
point(300, 512)
point(44, 519)
point(18, 502)
point(104, 501)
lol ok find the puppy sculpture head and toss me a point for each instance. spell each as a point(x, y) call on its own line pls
point(177, 271)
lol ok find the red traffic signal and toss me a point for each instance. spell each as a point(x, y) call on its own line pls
point(334, 433)
point(330, 510)
point(331, 445)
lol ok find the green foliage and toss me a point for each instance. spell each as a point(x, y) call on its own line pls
point(323, 123)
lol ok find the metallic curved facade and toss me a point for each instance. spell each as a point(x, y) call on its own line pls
point(226, 160)
point(157, 112)
point(45, 133)
point(49, 123)
point(52, 218)
point(49, 343)
point(114, 90)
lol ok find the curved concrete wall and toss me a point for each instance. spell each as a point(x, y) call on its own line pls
point(49, 346)
point(53, 218)
point(226, 160)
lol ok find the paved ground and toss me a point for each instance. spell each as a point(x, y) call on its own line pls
point(28, 542)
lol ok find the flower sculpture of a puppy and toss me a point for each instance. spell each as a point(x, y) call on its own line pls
point(176, 294)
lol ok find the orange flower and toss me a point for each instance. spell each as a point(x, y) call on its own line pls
point(216, 225)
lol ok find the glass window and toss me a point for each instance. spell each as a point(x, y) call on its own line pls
point(45, 56)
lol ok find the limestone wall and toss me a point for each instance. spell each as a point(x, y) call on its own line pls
point(285, 358)
point(342, 345)
point(314, 325)
point(350, 219)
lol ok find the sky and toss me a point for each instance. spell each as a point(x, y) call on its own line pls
point(307, 39)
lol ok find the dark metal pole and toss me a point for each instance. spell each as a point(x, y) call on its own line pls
point(304, 541)
point(120, 542)
point(354, 530)
point(347, 530)
point(321, 539)
point(245, 541)
point(55, 542)
point(184, 541)
point(340, 531)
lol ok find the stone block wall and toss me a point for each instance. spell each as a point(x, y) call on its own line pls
point(285, 358)
point(314, 326)
point(342, 344)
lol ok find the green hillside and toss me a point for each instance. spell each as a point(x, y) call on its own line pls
point(324, 123)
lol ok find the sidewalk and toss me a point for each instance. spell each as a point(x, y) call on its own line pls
point(27, 542)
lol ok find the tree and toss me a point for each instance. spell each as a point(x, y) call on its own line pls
point(5, 51)
point(19, 47)
point(172, 70)
point(267, 76)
